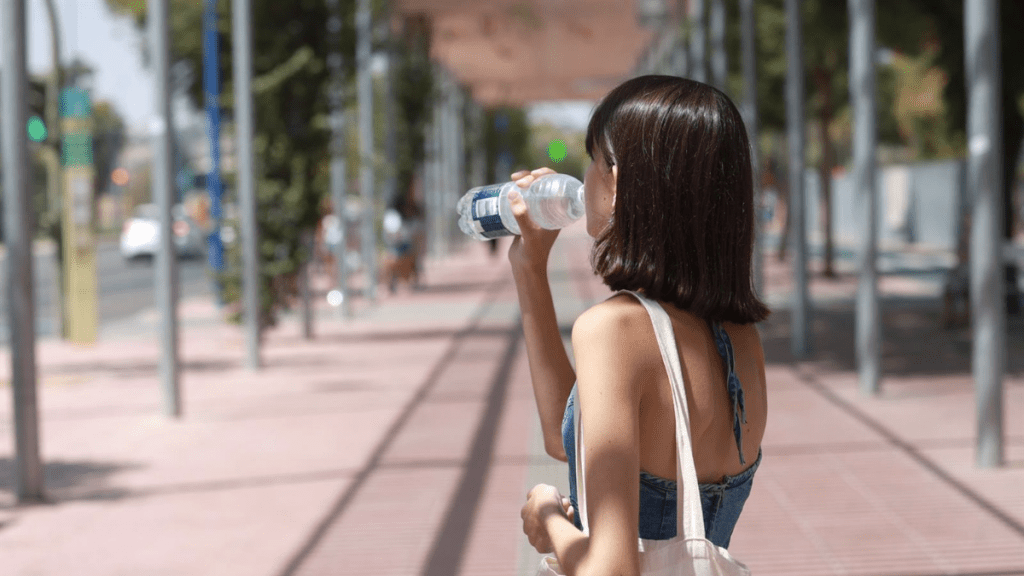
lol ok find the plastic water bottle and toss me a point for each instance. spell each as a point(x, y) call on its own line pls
point(555, 201)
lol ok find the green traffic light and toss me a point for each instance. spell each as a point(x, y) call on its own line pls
point(557, 150)
point(36, 129)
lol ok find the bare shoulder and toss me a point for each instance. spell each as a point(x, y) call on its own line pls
point(616, 333)
point(615, 320)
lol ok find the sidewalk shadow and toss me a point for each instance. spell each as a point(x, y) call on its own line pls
point(914, 342)
point(451, 288)
point(135, 369)
point(401, 336)
point(446, 553)
point(68, 480)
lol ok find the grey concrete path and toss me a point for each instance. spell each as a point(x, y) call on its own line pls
point(403, 441)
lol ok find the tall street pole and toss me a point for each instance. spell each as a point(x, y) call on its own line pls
point(55, 83)
point(336, 99)
point(698, 55)
point(478, 169)
point(862, 94)
point(242, 57)
point(166, 273)
point(799, 314)
point(719, 59)
point(448, 138)
point(211, 92)
point(437, 164)
point(18, 218)
point(364, 81)
point(984, 182)
point(51, 155)
point(749, 48)
point(391, 191)
point(432, 180)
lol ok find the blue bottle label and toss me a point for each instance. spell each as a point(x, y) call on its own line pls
point(486, 218)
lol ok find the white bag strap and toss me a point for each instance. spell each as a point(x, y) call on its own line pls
point(689, 513)
point(581, 483)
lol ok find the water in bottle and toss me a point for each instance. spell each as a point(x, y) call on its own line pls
point(555, 201)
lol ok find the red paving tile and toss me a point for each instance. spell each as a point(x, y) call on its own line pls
point(401, 442)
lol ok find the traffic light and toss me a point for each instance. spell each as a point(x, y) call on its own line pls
point(37, 130)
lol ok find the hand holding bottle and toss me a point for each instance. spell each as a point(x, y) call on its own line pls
point(555, 201)
point(530, 249)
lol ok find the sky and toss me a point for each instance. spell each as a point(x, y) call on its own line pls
point(112, 46)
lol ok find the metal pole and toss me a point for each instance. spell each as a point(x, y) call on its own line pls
point(451, 164)
point(479, 168)
point(391, 125)
point(443, 166)
point(304, 288)
point(18, 218)
point(984, 170)
point(795, 129)
point(54, 169)
point(678, 61)
point(439, 172)
point(211, 89)
point(242, 57)
point(339, 198)
point(458, 131)
point(335, 63)
point(749, 47)
point(698, 55)
point(431, 168)
point(166, 276)
point(862, 94)
point(719, 59)
point(364, 81)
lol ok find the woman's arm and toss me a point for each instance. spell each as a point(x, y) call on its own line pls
point(550, 370)
point(610, 373)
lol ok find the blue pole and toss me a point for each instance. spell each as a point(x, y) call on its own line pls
point(211, 89)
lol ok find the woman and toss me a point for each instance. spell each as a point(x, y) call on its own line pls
point(669, 202)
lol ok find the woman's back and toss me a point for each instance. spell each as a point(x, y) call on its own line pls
point(715, 411)
point(711, 408)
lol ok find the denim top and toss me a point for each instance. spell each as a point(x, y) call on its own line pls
point(722, 502)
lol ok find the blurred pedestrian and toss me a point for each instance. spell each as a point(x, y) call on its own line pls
point(669, 202)
point(327, 240)
point(403, 236)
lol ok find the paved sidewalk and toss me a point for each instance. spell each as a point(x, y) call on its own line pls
point(403, 441)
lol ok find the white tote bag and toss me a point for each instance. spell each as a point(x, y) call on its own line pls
point(689, 553)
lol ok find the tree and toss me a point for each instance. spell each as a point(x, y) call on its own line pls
point(941, 27)
point(825, 48)
point(107, 142)
point(291, 127)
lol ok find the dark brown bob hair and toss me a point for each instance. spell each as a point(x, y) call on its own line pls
point(682, 230)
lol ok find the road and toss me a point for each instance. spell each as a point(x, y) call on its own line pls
point(125, 288)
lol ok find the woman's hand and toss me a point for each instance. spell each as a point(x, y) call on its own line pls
point(542, 501)
point(529, 250)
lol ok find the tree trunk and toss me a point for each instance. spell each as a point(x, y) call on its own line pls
point(1013, 131)
point(772, 176)
point(822, 79)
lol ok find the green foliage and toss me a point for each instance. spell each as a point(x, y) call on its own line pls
point(918, 26)
point(413, 85)
point(901, 26)
point(108, 140)
point(292, 134)
point(575, 161)
point(514, 139)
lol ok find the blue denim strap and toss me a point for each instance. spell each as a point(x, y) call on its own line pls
point(732, 381)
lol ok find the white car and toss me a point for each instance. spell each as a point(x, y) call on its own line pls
point(140, 235)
